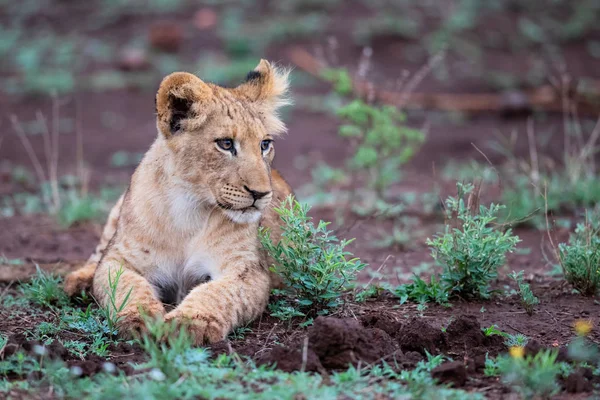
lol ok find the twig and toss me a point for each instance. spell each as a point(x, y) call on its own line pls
point(304, 354)
point(545, 97)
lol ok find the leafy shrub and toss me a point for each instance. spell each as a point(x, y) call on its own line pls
point(311, 261)
point(528, 299)
point(471, 249)
point(580, 258)
point(383, 143)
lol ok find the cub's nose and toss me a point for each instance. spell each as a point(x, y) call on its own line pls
point(256, 195)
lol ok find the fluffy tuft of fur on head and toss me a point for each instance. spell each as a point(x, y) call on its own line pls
point(268, 86)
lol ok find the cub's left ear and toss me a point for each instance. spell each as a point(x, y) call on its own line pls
point(267, 87)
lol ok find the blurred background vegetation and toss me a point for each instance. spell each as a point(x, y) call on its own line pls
point(77, 81)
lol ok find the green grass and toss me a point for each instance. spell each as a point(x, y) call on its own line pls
point(45, 289)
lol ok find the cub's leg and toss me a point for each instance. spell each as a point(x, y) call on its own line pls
point(81, 279)
point(212, 310)
point(132, 292)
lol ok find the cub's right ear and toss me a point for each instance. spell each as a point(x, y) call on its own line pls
point(181, 103)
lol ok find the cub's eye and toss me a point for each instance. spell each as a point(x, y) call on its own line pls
point(225, 144)
point(265, 144)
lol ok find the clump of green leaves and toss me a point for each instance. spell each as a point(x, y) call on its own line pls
point(531, 376)
point(517, 340)
point(313, 264)
point(45, 289)
point(340, 78)
point(421, 291)
point(471, 249)
point(528, 299)
point(580, 258)
point(383, 144)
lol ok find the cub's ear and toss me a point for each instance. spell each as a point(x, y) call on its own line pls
point(267, 86)
point(181, 103)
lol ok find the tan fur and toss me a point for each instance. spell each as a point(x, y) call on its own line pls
point(188, 213)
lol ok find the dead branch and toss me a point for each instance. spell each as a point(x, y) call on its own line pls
point(546, 97)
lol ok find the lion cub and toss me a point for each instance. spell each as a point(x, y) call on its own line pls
point(185, 231)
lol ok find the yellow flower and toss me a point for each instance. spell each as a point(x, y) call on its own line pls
point(583, 327)
point(517, 351)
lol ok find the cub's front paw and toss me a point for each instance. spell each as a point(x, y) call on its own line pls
point(202, 328)
point(131, 323)
point(79, 280)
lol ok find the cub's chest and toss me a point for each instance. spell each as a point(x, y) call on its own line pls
point(173, 279)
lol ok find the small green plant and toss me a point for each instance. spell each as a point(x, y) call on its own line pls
point(422, 292)
point(491, 367)
point(45, 289)
point(518, 340)
point(312, 262)
point(239, 333)
point(114, 307)
point(492, 330)
point(531, 376)
point(471, 249)
point(528, 299)
point(383, 144)
point(340, 78)
point(580, 258)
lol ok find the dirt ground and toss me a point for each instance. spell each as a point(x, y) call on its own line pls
point(360, 334)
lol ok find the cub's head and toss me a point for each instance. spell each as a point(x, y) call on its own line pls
point(220, 140)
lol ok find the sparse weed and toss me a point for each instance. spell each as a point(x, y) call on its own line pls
point(114, 307)
point(422, 292)
point(383, 144)
point(471, 249)
point(528, 299)
point(239, 333)
point(491, 367)
point(492, 330)
point(517, 340)
point(531, 376)
point(580, 258)
point(311, 261)
point(45, 289)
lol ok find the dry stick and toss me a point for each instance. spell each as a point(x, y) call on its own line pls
point(304, 354)
point(544, 97)
point(533, 155)
point(37, 166)
point(55, 132)
point(383, 265)
point(49, 154)
point(81, 173)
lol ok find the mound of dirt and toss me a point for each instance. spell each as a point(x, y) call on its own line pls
point(382, 320)
point(340, 342)
point(291, 359)
point(465, 337)
point(417, 335)
point(453, 373)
